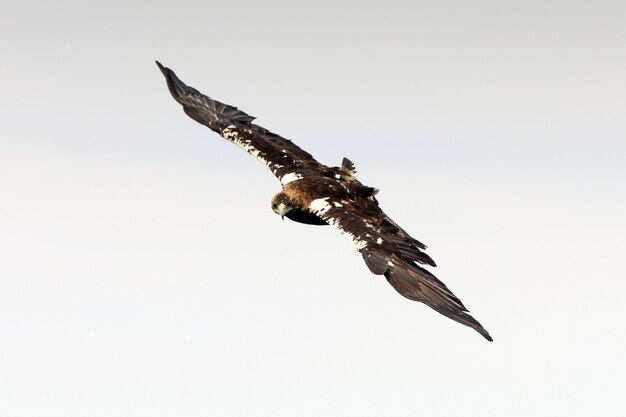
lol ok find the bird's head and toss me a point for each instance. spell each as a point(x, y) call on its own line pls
point(282, 204)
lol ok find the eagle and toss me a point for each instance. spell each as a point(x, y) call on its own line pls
point(316, 194)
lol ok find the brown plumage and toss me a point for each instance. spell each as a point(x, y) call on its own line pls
point(316, 194)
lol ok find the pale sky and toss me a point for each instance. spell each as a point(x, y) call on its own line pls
point(143, 273)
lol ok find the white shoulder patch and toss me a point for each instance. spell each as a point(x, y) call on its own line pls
point(290, 177)
point(320, 206)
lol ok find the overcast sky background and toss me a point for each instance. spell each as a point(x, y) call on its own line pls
point(143, 273)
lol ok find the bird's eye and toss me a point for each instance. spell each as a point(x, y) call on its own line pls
point(274, 205)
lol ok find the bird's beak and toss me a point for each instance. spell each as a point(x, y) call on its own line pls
point(282, 210)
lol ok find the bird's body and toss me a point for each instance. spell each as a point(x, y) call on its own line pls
point(313, 193)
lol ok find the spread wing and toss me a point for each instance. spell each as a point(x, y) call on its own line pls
point(287, 161)
point(390, 251)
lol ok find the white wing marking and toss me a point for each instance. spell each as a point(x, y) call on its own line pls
point(320, 207)
point(230, 133)
point(290, 177)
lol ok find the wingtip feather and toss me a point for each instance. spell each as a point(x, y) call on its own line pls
point(418, 284)
point(480, 329)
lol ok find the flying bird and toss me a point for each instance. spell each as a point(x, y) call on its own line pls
point(316, 194)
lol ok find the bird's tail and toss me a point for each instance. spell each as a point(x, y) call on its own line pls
point(203, 108)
